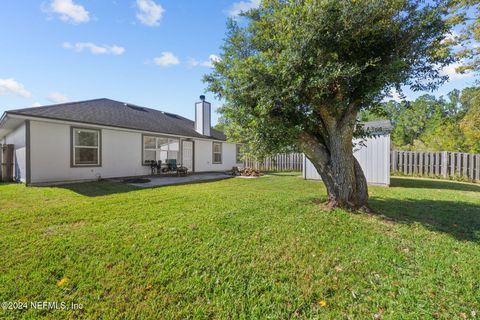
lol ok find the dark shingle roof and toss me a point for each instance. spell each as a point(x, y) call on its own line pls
point(119, 114)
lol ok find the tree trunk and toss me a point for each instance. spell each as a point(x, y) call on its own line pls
point(340, 171)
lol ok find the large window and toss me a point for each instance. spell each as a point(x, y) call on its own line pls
point(239, 153)
point(160, 148)
point(85, 147)
point(217, 152)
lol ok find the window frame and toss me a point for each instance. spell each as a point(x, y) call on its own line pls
point(213, 152)
point(237, 146)
point(73, 146)
point(142, 146)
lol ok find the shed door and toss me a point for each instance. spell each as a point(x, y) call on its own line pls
point(187, 155)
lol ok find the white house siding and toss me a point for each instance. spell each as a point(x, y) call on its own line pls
point(18, 139)
point(204, 157)
point(50, 149)
point(50, 154)
point(374, 158)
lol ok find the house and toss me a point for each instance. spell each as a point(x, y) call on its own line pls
point(103, 138)
point(373, 154)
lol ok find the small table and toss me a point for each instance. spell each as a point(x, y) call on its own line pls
point(182, 170)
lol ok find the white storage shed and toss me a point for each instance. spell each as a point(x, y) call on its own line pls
point(373, 155)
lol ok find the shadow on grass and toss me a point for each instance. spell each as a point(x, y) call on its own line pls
point(433, 184)
point(284, 173)
point(459, 219)
point(98, 189)
point(9, 183)
point(105, 188)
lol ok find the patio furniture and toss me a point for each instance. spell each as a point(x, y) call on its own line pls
point(174, 167)
point(182, 170)
point(155, 166)
point(172, 164)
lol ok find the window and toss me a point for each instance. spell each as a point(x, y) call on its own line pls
point(85, 147)
point(217, 152)
point(160, 148)
point(239, 156)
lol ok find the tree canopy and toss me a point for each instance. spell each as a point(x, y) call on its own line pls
point(297, 72)
point(292, 60)
point(465, 16)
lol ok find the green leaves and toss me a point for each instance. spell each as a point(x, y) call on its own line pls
point(465, 16)
point(289, 65)
point(434, 124)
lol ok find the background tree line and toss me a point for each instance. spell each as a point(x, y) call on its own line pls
point(434, 124)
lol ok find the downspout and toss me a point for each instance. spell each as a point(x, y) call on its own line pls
point(28, 168)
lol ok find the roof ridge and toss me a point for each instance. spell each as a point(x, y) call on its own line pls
point(117, 113)
point(57, 105)
point(90, 100)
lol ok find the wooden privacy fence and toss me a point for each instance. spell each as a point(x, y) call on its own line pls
point(441, 163)
point(279, 162)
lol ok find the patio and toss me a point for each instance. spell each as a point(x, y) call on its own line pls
point(159, 181)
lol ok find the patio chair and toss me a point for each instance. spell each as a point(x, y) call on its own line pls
point(172, 164)
point(174, 167)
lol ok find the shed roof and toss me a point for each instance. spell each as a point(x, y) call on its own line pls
point(378, 126)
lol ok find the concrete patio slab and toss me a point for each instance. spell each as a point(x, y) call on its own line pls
point(159, 181)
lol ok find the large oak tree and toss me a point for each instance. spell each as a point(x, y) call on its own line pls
point(297, 72)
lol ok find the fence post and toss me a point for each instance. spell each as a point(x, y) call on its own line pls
point(452, 164)
point(433, 167)
point(444, 163)
point(458, 167)
point(420, 163)
point(409, 162)
point(394, 160)
point(427, 164)
point(470, 167)
point(477, 177)
point(431, 163)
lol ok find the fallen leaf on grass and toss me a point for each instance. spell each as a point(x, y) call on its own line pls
point(62, 281)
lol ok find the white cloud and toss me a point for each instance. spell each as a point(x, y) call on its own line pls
point(10, 85)
point(242, 6)
point(149, 13)
point(394, 95)
point(452, 74)
point(94, 49)
point(166, 59)
point(35, 104)
point(207, 63)
point(57, 97)
point(70, 11)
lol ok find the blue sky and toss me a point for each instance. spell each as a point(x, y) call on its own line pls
point(149, 52)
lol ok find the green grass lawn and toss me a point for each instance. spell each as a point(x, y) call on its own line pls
point(241, 248)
